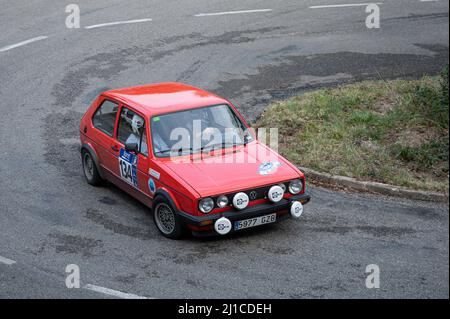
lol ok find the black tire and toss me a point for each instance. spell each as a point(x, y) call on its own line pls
point(166, 220)
point(90, 169)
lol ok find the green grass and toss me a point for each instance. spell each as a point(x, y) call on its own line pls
point(393, 132)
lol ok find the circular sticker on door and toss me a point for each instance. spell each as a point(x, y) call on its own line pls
point(151, 185)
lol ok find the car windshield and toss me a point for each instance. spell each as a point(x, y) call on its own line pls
point(196, 130)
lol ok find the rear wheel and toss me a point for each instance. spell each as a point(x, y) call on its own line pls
point(90, 169)
point(166, 220)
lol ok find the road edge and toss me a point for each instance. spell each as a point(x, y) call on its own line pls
point(373, 187)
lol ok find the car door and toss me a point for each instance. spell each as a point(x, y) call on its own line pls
point(104, 121)
point(133, 167)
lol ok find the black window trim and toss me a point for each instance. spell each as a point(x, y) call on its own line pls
point(122, 106)
point(115, 121)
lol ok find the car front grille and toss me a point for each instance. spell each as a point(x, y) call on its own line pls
point(253, 194)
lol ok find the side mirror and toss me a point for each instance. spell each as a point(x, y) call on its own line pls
point(131, 147)
point(248, 135)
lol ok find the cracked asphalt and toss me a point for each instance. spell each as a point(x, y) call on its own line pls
point(50, 217)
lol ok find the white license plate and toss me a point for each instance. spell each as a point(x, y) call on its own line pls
point(252, 222)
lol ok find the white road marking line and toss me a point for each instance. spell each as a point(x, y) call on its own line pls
point(6, 261)
point(429, 0)
point(230, 12)
point(112, 292)
point(116, 23)
point(344, 5)
point(13, 46)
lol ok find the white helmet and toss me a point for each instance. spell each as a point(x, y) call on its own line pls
point(136, 124)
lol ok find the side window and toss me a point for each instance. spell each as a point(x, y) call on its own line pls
point(132, 130)
point(105, 117)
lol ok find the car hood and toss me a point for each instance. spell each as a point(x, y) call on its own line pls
point(226, 172)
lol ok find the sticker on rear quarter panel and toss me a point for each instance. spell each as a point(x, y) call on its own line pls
point(127, 167)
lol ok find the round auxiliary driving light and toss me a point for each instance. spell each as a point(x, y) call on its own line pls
point(240, 200)
point(275, 193)
point(222, 226)
point(296, 209)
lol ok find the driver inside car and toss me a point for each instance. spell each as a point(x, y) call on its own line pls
point(137, 127)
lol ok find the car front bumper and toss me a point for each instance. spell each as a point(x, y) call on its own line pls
point(204, 225)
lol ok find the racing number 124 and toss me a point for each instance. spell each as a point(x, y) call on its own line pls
point(125, 170)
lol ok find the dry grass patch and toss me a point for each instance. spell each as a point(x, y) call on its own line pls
point(392, 132)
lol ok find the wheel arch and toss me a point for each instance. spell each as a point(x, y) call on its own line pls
point(90, 149)
point(167, 196)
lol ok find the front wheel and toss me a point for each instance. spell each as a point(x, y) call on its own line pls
point(166, 219)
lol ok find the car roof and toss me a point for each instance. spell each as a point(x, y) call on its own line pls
point(159, 98)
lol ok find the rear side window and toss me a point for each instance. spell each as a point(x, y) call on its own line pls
point(132, 130)
point(105, 117)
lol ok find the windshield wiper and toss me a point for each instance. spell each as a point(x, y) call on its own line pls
point(222, 145)
point(179, 152)
point(163, 151)
point(191, 150)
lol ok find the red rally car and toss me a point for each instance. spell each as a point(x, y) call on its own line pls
point(155, 142)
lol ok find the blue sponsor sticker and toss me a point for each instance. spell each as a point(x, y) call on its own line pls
point(268, 168)
point(151, 185)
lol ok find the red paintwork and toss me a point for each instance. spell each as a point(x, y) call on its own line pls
point(160, 98)
point(185, 182)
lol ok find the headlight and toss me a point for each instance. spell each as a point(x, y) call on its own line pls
point(222, 201)
point(295, 186)
point(283, 187)
point(206, 205)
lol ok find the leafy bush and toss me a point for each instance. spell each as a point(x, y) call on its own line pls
point(432, 101)
point(444, 86)
point(425, 156)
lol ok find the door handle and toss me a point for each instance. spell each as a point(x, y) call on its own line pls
point(115, 148)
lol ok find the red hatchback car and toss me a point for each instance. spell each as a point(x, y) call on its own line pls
point(189, 156)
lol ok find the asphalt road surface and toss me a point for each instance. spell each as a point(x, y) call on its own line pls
point(49, 216)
